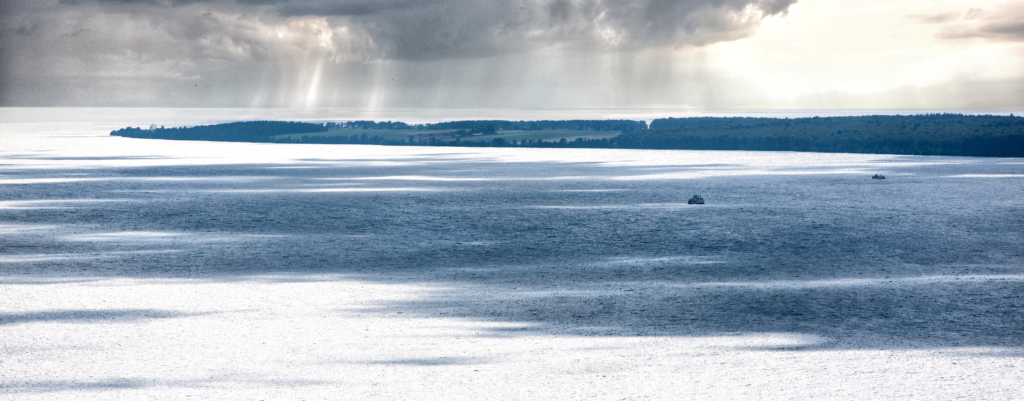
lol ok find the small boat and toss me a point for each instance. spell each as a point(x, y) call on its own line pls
point(696, 200)
point(878, 177)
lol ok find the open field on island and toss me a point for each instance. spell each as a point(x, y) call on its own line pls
point(153, 269)
point(448, 135)
point(550, 135)
point(386, 133)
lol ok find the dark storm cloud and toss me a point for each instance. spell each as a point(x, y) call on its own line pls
point(119, 53)
point(1012, 29)
point(271, 52)
point(1004, 30)
point(350, 8)
point(465, 28)
point(1005, 23)
point(439, 29)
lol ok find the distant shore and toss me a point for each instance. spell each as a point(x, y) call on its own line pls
point(927, 134)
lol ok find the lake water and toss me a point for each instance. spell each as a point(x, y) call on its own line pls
point(794, 253)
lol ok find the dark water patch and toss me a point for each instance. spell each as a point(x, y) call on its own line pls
point(128, 383)
point(875, 314)
point(84, 158)
point(439, 361)
point(44, 386)
point(88, 316)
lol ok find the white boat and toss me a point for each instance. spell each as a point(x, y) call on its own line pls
point(696, 200)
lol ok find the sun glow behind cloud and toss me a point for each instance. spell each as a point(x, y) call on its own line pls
point(859, 52)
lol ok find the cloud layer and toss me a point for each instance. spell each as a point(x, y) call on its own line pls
point(1002, 23)
point(283, 52)
point(432, 29)
point(494, 53)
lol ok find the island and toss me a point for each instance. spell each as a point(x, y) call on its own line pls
point(925, 134)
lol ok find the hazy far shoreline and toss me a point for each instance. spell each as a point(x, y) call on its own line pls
point(923, 134)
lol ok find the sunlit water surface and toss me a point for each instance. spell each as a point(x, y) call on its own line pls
point(798, 250)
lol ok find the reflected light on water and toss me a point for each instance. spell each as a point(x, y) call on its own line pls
point(34, 258)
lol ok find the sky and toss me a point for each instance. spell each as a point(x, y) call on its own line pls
point(514, 54)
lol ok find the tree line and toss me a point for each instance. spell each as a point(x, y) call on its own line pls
point(247, 131)
point(926, 134)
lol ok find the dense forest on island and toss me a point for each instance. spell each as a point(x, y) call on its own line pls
point(247, 131)
point(927, 134)
point(373, 131)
